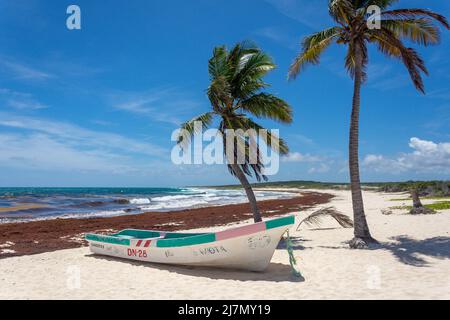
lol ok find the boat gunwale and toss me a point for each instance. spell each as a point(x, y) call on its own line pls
point(196, 238)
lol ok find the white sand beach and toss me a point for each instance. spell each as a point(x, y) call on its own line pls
point(412, 262)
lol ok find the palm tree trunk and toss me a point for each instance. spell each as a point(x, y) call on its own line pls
point(248, 190)
point(415, 198)
point(361, 230)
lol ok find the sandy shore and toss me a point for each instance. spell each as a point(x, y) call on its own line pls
point(56, 234)
point(412, 262)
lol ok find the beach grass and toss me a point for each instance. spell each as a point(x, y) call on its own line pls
point(441, 205)
point(423, 198)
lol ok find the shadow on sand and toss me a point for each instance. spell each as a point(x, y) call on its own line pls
point(409, 250)
point(275, 272)
point(296, 243)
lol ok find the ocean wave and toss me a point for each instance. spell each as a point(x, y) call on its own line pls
point(139, 201)
point(171, 198)
point(94, 214)
point(98, 205)
point(175, 205)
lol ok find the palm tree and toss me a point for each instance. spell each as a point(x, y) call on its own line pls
point(418, 207)
point(236, 93)
point(355, 30)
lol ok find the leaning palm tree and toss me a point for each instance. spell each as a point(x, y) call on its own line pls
point(236, 93)
point(356, 30)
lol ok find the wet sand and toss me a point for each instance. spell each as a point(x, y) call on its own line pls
point(22, 206)
point(50, 235)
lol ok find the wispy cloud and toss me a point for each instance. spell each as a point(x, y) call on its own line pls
point(170, 105)
point(22, 71)
point(20, 100)
point(279, 36)
point(43, 152)
point(391, 83)
point(443, 94)
point(45, 143)
point(302, 139)
point(378, 71)
point(321, 168)
point(313, 14)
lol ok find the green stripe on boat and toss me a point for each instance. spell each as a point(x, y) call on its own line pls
point(138, 234)
point(107, 239)
point(280, 222)
point(174, 239)
point(180, 242)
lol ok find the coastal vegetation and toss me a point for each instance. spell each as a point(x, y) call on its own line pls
point(440, 205)
point(355, 30)
point(427, 189)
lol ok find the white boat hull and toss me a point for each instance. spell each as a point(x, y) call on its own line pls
point(250, 251)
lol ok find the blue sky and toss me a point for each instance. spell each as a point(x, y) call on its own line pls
point(97, 106)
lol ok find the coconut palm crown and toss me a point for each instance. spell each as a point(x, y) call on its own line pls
point(236, 94)
point(355, 28)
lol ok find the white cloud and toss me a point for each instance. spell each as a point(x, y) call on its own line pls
point(162, 104)
point(318, 164)
point(299, 157)
point(321, 168)
point(426, 157)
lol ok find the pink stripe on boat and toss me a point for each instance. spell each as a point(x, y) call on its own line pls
point(138, 243)
point(147, 243)
point(240, 231)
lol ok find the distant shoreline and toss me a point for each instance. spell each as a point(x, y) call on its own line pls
point(50, 235)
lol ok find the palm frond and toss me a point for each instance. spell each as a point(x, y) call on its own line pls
point(235, 90)
point(242, 49)
point(342, 11)
point(248, 78)
point(315, 218)
point(271, 140)
point(421, 30)
point(219, 93)
point(268, 106)
point(391, 46)
point(217, 65)
point(312, 48)
point(409, 14)
point(382, 4)
point(188, 129)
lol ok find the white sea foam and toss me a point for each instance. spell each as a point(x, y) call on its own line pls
point(206, 197)
point(140, 201)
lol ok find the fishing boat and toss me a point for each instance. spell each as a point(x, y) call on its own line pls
point(248, 247)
